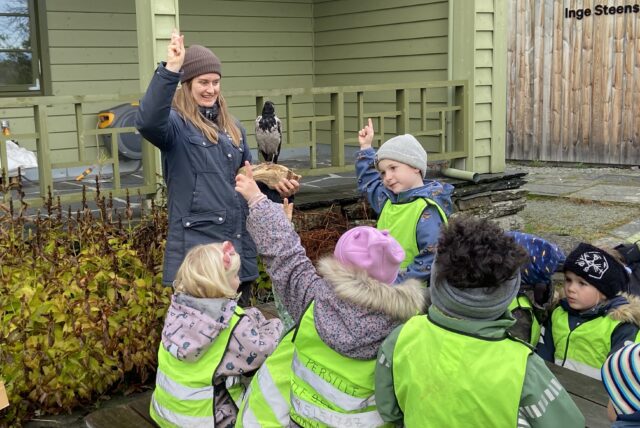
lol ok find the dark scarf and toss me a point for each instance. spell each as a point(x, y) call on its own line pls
point(210, 113)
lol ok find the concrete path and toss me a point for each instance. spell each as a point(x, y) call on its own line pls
point(608, 185)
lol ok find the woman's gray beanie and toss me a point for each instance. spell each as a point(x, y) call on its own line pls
point(405, 149)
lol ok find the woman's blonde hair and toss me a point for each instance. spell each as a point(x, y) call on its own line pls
point(186, 106)
point(202, 273)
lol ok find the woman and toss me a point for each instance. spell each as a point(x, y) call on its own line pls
point(203, 147)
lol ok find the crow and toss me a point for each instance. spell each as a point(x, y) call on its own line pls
point(269, 133)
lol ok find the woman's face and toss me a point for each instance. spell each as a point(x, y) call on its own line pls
point(205, 89)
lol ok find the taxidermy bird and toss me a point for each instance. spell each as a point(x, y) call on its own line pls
point(269, 133)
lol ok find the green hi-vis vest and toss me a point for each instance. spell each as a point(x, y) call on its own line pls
point(401, 220)
point(447, 379)
point(328, 389)
point(266, 403)
point(584, 349)
point(184, 390)
point(523, 302)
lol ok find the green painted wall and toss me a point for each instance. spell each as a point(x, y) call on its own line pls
point(377, 41)
point(267, 44)
point(262, 45)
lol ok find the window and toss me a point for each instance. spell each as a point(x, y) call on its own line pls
point(20, 70)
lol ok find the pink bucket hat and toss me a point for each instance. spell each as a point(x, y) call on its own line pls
point(370, 249)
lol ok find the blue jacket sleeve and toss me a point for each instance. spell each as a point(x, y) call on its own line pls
point(369, 181)
point(546, 349)
point(153, 114)
point(427, 234)
point(622, 335)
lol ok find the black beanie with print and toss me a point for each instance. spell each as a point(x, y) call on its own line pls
point(598, 268)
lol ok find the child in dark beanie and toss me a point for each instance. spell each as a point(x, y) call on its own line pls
point(597, 301)
point(458, 365)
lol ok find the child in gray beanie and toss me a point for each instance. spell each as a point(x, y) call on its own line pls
point(461, 355)
point(410, 207)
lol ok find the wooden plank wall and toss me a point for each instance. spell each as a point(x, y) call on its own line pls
point(263, 44)
point(378, 41)
point(574, 84)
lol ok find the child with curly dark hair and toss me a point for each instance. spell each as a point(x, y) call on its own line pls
point(458, 365)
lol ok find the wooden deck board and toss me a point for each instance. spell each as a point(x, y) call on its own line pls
point(588, 394)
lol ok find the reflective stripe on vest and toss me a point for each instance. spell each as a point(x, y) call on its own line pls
point(328, 388)
point(523, 302)
point(184, 393)
point(579, 367)
point(586, 346)
point(267, 399)
point(456, 369)
point(401, 220)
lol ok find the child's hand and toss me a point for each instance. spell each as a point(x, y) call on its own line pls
point(365, 136)
point(288, 209)
point(246, 185)
point(175, 52)
point(287, 187)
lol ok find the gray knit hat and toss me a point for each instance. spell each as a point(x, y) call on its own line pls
point(199, 60)
point(405, 149)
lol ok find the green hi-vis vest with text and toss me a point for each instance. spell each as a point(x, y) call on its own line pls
point(584, 349)
point(447, 379)
point(523, 302)
point(329, 389)
point(184, 391)
point(401, 220)
point(266, 403)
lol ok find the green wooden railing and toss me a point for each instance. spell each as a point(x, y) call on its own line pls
point(455, 105)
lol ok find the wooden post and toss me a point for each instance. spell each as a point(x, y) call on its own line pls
point(498, 91)
point(462, 35)
point(44, 162)
point(337, 129)
point(402, 105)
point(155, 19)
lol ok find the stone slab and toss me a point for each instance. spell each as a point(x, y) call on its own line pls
point(550, 189)
point(629, 230)
point(609, 193)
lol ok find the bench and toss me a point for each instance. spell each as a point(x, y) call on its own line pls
point(588, 394)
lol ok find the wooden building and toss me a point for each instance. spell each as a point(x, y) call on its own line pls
point(574, 81)
point(435, 68)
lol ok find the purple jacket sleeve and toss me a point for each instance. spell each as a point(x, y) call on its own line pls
point(292, 273)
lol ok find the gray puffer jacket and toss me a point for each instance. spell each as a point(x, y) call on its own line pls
point(200, 175)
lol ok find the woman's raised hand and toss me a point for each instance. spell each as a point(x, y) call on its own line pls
point(175, 52)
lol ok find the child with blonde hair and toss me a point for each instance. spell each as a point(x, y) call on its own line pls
point(208, 342)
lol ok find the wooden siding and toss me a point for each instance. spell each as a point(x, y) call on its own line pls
point(375, 42)
point(574, 84)
point(262, 45)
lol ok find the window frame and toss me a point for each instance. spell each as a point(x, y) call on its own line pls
point(39, 55)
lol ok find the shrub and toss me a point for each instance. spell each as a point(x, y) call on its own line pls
point(81, 303)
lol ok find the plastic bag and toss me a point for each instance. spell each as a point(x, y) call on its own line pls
point(19, 157)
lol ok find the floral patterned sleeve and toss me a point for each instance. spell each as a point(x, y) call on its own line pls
point(252, 341)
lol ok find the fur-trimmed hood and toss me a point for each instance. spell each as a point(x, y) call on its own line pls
point(630, 312)
point(353, 285)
